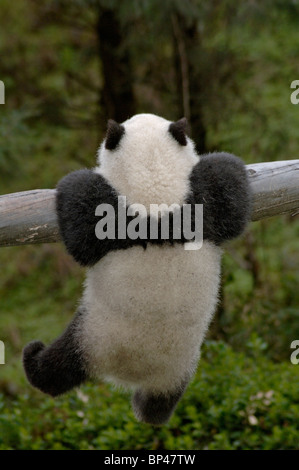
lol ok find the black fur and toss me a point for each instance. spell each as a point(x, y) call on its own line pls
point(156, 409)
point(177, 130)
point(59, 367)
point(114, 134)
point(220, 182)
point(78, 195)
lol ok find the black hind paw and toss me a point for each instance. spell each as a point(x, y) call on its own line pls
point(31, 356)
point(155, 409)
point(31, 350)
point(57, 368)
point(32, 362)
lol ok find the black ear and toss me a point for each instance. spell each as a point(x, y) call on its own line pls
point(178, 130)
point(115, 132)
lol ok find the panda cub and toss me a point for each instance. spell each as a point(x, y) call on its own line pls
point(147, 302)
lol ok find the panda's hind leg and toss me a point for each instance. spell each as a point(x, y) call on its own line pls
point(156, 408)
point(57, 368)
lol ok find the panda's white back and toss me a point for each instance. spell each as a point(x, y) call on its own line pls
point(148, 310)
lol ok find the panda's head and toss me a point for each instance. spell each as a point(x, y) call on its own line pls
point(148, 159)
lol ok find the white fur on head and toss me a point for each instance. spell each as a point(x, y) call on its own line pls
point(148, 166)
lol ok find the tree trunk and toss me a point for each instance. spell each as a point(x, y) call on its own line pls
point(117, 98)
point(191, 89)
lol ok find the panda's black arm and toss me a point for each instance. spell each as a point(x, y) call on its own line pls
point(78, 195)
point(219, 181)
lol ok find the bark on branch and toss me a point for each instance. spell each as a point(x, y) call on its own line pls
point(29, 217)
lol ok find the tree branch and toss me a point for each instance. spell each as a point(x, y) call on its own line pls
point(275, 187)
point(29, 217)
